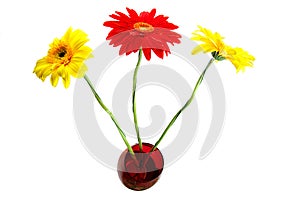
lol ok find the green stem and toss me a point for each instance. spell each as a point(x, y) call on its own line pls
point(185, 105)
point(109, 113)
point(133, 99)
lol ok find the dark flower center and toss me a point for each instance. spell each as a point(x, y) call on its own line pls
point(143, 27)
point(62, 54)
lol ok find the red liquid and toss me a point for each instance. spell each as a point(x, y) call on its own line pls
point(141, 171)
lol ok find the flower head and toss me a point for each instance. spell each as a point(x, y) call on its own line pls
point(213, 43)
point(144, 31)
point(65, 57)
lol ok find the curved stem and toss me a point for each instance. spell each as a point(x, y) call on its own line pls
point(109, 113)
point(133, 99)
point(185, 105)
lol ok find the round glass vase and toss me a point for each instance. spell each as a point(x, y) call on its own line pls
point(141, 170)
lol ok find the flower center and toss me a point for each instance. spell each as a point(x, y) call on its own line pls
point(143, 27)
point(62, 54)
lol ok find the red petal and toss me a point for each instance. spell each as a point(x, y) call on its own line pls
point(120, 39)
point(152, 13)
point(147, 53)
point(114, 16)
point(159, 53)
point(132, 13)
point(122, 49)
point(122, 16)
point(135, 44)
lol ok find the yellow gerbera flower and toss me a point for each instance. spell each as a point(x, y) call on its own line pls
point(65, 57)
point(213, 43)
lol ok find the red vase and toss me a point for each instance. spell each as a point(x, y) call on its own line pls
point(141, 170)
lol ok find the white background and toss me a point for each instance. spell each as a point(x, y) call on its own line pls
point(257, 157)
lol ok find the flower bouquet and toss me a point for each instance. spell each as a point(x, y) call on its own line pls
point(139, 166)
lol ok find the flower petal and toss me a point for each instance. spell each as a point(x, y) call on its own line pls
point(197, 50)
point(66, 79)
point(210, 41)
point(54, 79)
point(147, 53)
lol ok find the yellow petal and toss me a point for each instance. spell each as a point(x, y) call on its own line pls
point(197, 49)
point(210, 41)
point(66, 79)
point(54, 79)
point(73, 69)
point(67, 35)
point(78, 39)
point(240, 58)
point(84, 52)
point(46, 73)
point(43, 70)
point(78, 71)
point(81, 72)
point(40, 64)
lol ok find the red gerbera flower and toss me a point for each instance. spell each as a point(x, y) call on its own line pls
point(142, 31)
